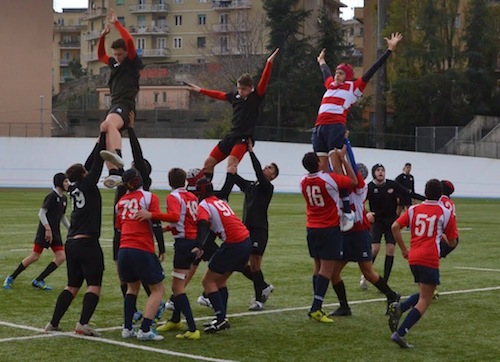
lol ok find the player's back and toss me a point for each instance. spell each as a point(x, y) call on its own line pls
point(223, 221)
point(185, 204)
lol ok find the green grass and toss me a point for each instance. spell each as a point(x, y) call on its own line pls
point(457, 327)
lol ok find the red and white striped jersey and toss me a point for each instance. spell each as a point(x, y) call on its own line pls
point(136, 234)
point(185, 204)
point(338, 99)
point(321, 192)
point(428, 221)
point(357, 199)
point(222, 220)
point(448, 203)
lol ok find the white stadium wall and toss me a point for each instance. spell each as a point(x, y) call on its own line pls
point(31, 162)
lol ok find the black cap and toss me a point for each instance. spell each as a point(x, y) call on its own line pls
point(59, 180)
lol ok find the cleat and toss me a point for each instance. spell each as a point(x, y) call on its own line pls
point(395, 298)
point(320, 316)
point(40, 284)
point(148, 336)
point(204, 301)
point(50, 328)
point(362, 283)
point(347, 221)
point(266, 292)
point(128, 333)
point(401, 341)
point(137, 317)
point(169, 305)
point(217, 326)
point(256, 306)
point(189, 335)
point(340, 312)
point(160, 311)
point(112, 158)
point(214, 321)
point(86, 330)
point(394, 313)
point(7, 284)
point(170, 326)
point(113, 181)
point(436, 294)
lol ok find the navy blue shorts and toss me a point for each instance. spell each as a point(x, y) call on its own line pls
point(327, 137)
point(135, 264)
point(380, 228)
point(231, 257)
point(259, 238)
point(183, 258)
point(325, 243)
point(357, 246)
point(425, 275)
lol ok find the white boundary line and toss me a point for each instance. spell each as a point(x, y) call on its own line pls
point(196, 357)
point(476, 269)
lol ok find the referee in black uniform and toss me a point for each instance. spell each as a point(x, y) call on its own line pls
point(406, 180)
point(84, 257)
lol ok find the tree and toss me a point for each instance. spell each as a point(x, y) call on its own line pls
point(76, 69)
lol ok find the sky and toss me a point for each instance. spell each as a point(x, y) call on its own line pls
point(347, 13)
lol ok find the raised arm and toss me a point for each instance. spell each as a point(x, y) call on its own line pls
point(325, 69)
point(129, 41)
point(391, 45)
point(96, 169)
point(101, 50)
point(266, 74)
point(140, 164)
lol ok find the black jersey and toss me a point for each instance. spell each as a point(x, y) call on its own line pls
point(124, 80)
point(86, 198)
point(258, 195)
point(407, 181)
point(55, 205)
point(245, 113)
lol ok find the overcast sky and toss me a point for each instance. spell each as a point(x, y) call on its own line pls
point(347, 13)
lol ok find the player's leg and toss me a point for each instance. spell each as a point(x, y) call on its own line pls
point(27, 261)
point(390, 244)
point(112, 125)
point(218, 154)
point(339, 288)
point(236, 155)
point(262, 289)
point(59, 258)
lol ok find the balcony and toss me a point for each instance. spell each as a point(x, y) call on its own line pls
point(153, 53)
point(64, 62)
point(230, 28)
point(149, 8)
point(68, 28)
point(223, 5)
point(96, 13)
point(89, 57)
point(69, 44)
point(91, 35)
point(149, 30)
point(226, 51)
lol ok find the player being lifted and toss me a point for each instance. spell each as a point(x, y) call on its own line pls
point(123, 84)
point(246, 101)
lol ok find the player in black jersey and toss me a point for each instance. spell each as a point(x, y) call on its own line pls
point(48, 234)
point(258, 195)
point(84, 257)
point(123, 84)
point(406, 180)
point(383, 196)
point(246, 102)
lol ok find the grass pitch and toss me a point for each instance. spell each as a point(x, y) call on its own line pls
point(462, 325)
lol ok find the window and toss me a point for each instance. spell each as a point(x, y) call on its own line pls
point(141, 21)
point(121, 19)
point(141, 43)
point(164, 94)
point(177, 43)
point(202, 19)
point(156, 97)
point(202, 1)
point(178, 20)
point(201, 42)
point(223, 19)
point(161, 43)
point(178, 1)
point(162, 22)
point(120, 2)
point(223, 43)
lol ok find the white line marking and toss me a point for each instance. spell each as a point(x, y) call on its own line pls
point(477, 269)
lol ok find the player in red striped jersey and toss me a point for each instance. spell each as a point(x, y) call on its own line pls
point(137, 261)
point(324, 239)
point(330, 127)
point(448, 189)
point(429, 223)
point(246, 101)
point(216, 215)
point(181, 213)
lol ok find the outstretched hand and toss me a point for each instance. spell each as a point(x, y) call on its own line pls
point(321, 57)
point(272, 56)
point(193, 87)
point(112, 17)
point(393, 40)
point(106, 30)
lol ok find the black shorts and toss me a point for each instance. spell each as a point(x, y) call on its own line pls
point(227, 143)
point(425, 275)
point(123, 110)
point(183, 257)
point(136, 264)
point(357, 246)
point(259, 238)
point(45, 244)
point(209, 249)
point(231, 257)
point(116, 243)
point(380, 228)
point(84, 261)
point(325, 243)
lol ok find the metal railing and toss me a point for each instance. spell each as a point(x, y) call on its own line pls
point(149, 8)
point(231, 4)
